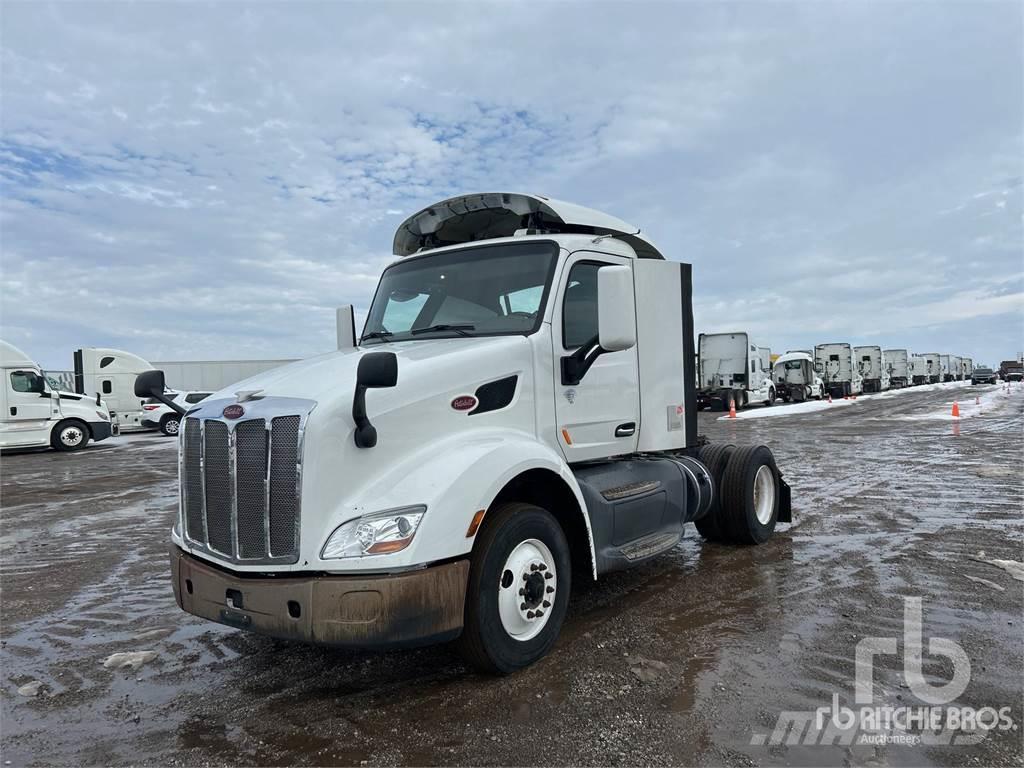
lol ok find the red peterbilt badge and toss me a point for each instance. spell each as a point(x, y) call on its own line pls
point(233, 411)
point(464, 403)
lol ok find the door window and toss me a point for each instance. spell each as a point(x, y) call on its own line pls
point(26, 381)
point(579, 307)
point(107, 387)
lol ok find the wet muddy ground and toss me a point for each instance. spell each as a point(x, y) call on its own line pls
point(688, 660)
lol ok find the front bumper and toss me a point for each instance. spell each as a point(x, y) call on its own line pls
point(405, 609)
point(100, 430)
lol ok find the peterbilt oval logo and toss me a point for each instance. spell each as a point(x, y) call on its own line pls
point(464, 403)
point(233, 411)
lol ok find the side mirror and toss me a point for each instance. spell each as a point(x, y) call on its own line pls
point(377, 370)
point(616, 312)
point(38, 385)
point(151, 384)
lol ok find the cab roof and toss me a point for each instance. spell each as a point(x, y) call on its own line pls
point(12, 357)
point(490, 215)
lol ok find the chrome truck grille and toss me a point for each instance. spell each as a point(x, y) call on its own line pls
point(241, 483)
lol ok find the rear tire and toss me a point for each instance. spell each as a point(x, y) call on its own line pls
point(69, 435)
point(715, 458)
point(499, 635)
point(750, 495)
point(170, 424)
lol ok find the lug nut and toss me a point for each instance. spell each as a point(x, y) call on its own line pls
point(547, 604)
point(522, 606)
point(533, 566)
point(549, 590)
point(549, 575)
point(530, 614)
point(522, 591)
point(542, 567)
point(539, 614)
point(526, 576)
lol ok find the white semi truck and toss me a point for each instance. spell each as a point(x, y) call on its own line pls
point(927, 369)
point(35, 415)
point(841, 375)
point(968, 368)
point(796, 379)
point(111, 373)
point(731, 367)
point(898, 365)
point(874, 372)
point(518, 412)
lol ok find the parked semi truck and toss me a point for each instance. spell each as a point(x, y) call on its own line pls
point(841, 376)
point(898, 365)
point(519, 412)
point(732, 368)
point(874, 371)
point(949, 365)
point(927, 369)
point(35, 415)
point(967, 368)
point(111, 373)
point(1011, 370)
point(796, 379)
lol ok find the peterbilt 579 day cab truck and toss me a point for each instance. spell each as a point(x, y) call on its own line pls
point(35, 415)
point(898, 364)
point(731, 367)
point(518, 412)
point(840, 373)
point(874, 372)
point(795, 378)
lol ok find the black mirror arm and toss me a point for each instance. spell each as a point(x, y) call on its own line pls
point(576, 365)
point(168, 402)
point(366, 433)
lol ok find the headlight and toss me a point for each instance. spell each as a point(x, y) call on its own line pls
point(103, 416)
point(380, 533)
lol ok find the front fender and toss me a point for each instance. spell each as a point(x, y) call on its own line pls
point(454, 478)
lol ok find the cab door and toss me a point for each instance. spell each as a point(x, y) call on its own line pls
point(29, 408)
point(599, 416)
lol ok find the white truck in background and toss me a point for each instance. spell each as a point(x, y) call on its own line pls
point(948, 365)
point(35, 415)
point(841, 376)
point(519, 412)
point(111, 374)
point(871, 364)
point(730, 367)
point(898, 364)
point(796, 377)
point(927, 369)
point(967, 368)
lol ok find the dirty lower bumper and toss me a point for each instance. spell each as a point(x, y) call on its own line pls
point(414, 608)
point(100, 430)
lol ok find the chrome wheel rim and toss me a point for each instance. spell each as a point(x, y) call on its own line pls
point(764, 494)
point(71, 436)
point(171, 426)
point(526, 590)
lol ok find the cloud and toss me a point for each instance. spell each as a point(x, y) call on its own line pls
point(210, 181)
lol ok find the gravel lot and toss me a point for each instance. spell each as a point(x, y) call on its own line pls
point(687, 660)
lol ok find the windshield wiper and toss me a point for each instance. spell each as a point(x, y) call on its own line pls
point(459, 329)
point(375, 335)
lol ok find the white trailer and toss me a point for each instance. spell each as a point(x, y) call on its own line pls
point(897, 363)
point(730, 367)
point(968, 368)
point(35, 415)
point(947, 367)
point(872, 367)
point(519, 412)
point(111, 374)
point(841, 376)
point(796, 379)
point(927, 369)
point(211, 375)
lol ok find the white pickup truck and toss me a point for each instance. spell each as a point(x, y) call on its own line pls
point(519, 412)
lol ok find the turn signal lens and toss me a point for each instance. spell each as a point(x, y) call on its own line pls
point(380, 533)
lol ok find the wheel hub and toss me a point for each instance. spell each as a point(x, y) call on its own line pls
point(71, 436)
point(526, 589)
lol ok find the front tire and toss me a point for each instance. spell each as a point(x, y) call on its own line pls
point(750, 495)
point(69, 435)
point(518, 590)
point(771, 398)
point(170, 424)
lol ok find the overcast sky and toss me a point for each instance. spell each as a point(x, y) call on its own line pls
point(210, 181)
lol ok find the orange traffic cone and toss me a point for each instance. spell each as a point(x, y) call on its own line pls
point(732, 408)
point(956, 410)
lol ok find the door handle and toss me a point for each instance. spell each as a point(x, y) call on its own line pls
point(14, 411)
point(625, 430)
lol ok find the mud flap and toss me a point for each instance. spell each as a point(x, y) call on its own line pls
point(785, 503)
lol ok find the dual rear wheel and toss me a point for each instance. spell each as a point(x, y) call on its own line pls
point(745, 508)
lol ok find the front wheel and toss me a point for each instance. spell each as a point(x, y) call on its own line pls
point(771, 398)
point(69, 435)
point(518, 589)
point(170, 424)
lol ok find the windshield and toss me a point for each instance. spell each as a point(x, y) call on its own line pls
point(484, 291)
